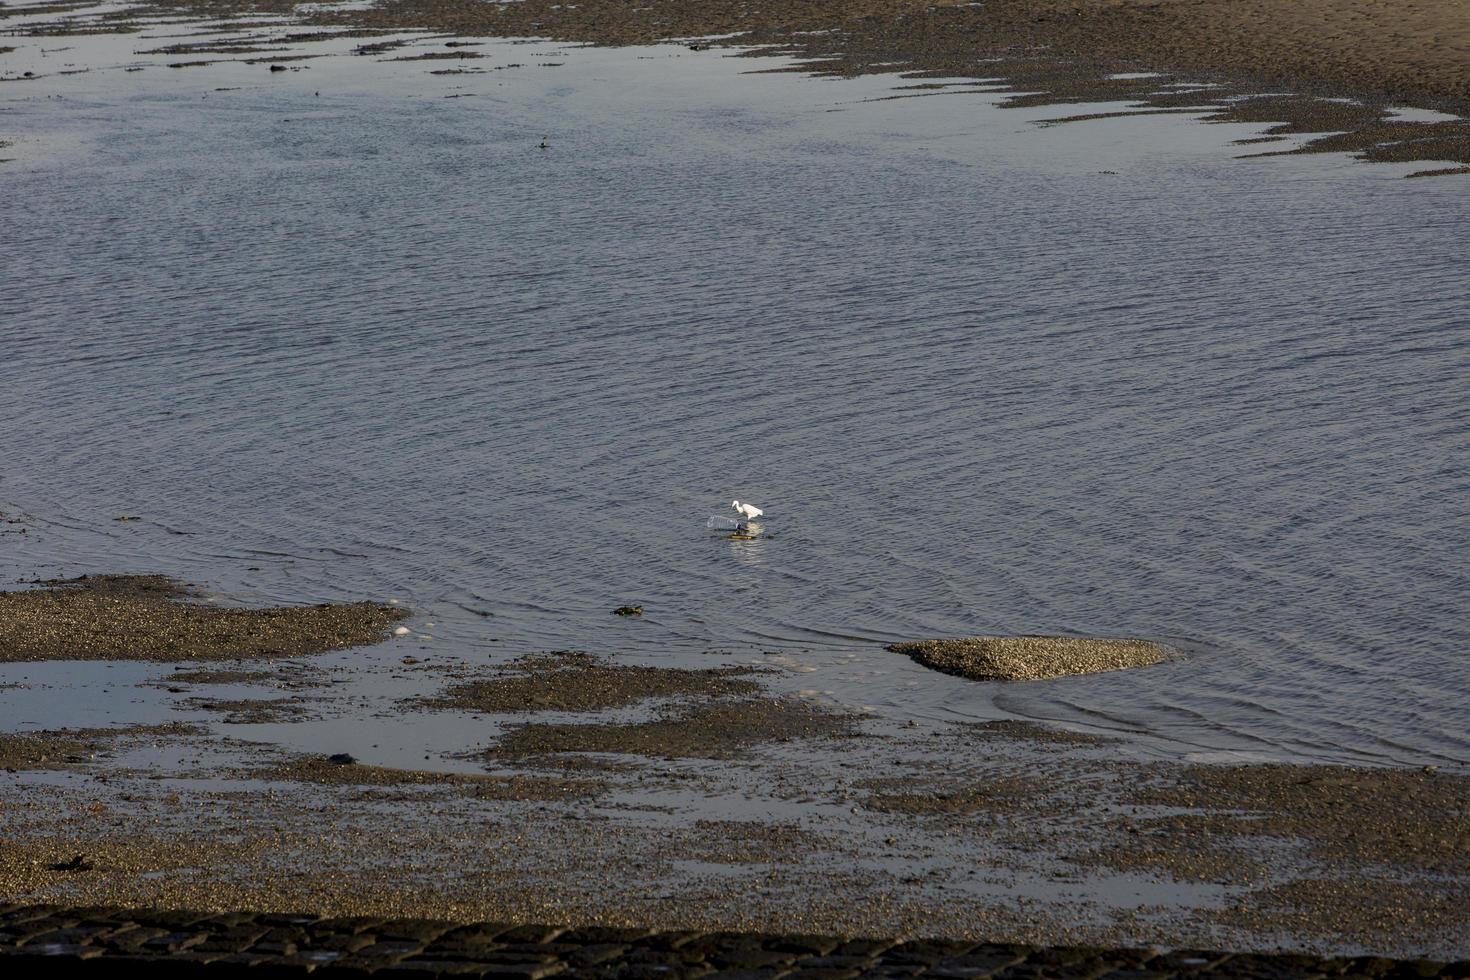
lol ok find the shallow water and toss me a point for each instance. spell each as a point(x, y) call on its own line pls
point(332, 335)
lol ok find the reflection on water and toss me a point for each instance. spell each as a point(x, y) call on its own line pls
point(367, 344)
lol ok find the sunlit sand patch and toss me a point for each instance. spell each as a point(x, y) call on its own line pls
point(1029, 658)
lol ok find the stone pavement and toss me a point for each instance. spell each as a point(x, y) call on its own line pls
point(64, 942)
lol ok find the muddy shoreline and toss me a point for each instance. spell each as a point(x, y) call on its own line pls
point(1000, 833)
point(1290, 65)
point(656, 797)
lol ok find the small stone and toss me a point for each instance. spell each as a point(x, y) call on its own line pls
point(342, 759)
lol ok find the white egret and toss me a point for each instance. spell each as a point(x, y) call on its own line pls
point(749, 511)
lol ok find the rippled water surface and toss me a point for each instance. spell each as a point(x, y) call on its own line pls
point(373, 342)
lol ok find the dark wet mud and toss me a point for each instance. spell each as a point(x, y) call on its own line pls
point(572, 681)
point(152, 617)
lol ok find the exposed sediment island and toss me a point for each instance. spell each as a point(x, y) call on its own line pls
point(1029, 658)
point(153, 617)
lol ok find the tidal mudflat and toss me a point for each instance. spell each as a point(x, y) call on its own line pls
point(982, 831)
point(341, 311)
point(718, 801)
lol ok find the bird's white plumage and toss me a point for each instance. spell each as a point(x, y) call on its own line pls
point(750, 511)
